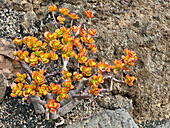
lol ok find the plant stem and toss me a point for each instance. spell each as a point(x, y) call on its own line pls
point(58, 25)
point(80, 96)
point(38, 104)
point(64, 64)
point(119, 81)
point(78, 31)
point(71, 22)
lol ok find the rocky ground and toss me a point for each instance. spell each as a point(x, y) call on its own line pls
point(14, 113)
point(142, 26)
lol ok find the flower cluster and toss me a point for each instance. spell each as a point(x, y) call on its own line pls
point(52, 105)
point(129, 80)
point(94, 82)
point(21, 55)
point(29, 89)
point(61, 47)
point(38, 77)
point(77, 76)
point(130, 57)
point(53, 88)
point(41, 90)
point(16, 89)
point(20, 77)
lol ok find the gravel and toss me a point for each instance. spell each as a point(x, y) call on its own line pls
point(15, 113)
point(10, 22)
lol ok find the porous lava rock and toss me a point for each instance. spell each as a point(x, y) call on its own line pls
point(141, 26)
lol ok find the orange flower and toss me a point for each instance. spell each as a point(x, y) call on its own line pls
point(86, 71)
point(73, 16)
point(29, 89)
point(50, 37)
point(82, 50)
point(20, 77)
point(92, 32)
point(53, 88)
point(92, 48)
point(38, 77)
point(32, 42)
point(68, 51)
point(103, 66)
point(55, 44)
point(129, 80)
point(96, 80)
point(53, 55)
point(61, 19)
point(118, 64)
point(67, 38)
point(17, 41)
point(66, 75)
point(52, 8)
point(17, 89)
point(62, 31)
point(77, 77)
point(21, 55)
point(77, 42)
point(52, 105)
point(62, 94)
point(74, 28)
point(64, 11)
point(90, 63)
point(87, 39)
point(94, 90)
point(81, 57)
point(32, 60)
point(82, 32)
point(42, 90)
point(68, 84)
point(88, 13)
point(130, 58)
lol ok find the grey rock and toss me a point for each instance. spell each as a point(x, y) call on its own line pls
point(166, 125)
point(28, 24)
point(117, 29)
point(115, 102)
point(2, 92)
point(118, 118)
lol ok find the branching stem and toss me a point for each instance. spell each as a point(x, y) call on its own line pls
point(58, 25)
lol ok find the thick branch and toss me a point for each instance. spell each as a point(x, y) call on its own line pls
point(104, 90)
point(51, 115)
point(81, 85)
point(27, 70)
point(28, 79)
point(111, 77)
point(38, 105)
point(48, 97)
point(65, 62)
point(81, 96)
point(36, 100)
point(47, 115)
point(25, 67)
point(111, 84)
point(52, 74)
point(68, 107)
